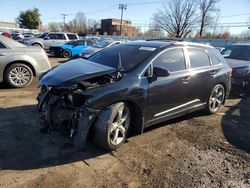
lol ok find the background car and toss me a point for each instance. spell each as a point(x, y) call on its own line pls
point(6, 34)
point(87, 52)
point(132, 85)
point(47, 40)
point(70, 48)
point(17, 36)
point(238, 57)
point(19, 63)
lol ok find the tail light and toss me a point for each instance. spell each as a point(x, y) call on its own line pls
point(230, 71)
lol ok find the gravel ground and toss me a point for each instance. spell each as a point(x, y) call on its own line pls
point(196, 150)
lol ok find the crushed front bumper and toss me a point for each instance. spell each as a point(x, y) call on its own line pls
point(76, 121)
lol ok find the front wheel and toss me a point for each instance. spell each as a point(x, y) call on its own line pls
point(66, 53)
point(215, 99)
point(111, 128)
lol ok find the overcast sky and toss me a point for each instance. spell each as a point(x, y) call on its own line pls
point(235, 13)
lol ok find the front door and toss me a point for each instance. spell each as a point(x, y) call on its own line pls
point(172, 94)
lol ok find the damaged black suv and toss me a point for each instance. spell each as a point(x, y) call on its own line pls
point(131, 86)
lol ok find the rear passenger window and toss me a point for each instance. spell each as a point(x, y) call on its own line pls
point(60, 36)
point(198, 58)
point(72, 36)
point(172, 60)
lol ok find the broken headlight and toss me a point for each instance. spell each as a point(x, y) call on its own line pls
point(75, 99)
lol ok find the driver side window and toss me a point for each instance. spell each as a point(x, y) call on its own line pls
point(172, 60)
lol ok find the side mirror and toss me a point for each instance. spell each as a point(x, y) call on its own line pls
point(46, 38)
point(160, 72)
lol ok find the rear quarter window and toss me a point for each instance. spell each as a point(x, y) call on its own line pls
point(214, 59)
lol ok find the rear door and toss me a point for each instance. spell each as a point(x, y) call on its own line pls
point(54, 39)
point(203, 74)
point(170, 95)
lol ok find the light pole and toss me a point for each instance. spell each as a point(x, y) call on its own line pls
point(64, 15)
point(122, 7)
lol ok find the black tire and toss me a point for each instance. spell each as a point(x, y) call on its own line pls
point(104, 128)
point(66, 53)
point(215, 99)
point(18, 75)
point(37, 44)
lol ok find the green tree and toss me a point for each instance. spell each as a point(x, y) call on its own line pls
point(29, 19)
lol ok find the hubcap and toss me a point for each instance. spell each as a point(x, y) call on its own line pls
point(216, 98)
point(19, 76)
point(119, 126)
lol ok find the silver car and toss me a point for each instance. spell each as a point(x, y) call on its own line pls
point(51, 39)
point(19, 63)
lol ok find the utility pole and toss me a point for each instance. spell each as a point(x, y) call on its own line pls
point(64, 16)
point(122, 7)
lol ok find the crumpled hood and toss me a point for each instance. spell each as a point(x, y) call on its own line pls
point(74, 71)
point(235, 63)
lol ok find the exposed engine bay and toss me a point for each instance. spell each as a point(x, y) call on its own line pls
point(66, 109)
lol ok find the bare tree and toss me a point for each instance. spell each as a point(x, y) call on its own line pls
point(177, 17)
point(206, 7)
point(92, 26)
point(216, 22)
point(53, 26)
point(78, 24)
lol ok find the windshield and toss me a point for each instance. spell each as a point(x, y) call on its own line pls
point(241, 52)
point(42, 35)
point(102, 44)
point(131, 56)
point(70, 43)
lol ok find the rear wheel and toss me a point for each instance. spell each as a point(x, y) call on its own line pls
point(111, 128)
point(36, 44)
point(216, 99)
point(66, 53)
point(18, 75)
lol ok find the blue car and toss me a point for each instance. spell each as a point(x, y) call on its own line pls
point(70, 48)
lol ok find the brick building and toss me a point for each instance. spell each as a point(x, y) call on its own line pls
point(112, 27)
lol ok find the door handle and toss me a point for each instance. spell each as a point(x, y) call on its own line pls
point(213, 72)
point(186, 79)
point(2, 54)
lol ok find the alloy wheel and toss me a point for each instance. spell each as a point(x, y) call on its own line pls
point(216, 98)
point(119, 125)
point(19, 76)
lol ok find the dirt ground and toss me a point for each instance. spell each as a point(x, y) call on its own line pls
point(196, 150)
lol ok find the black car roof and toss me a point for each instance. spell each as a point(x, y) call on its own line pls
point(153, 44)
point(161, 44)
